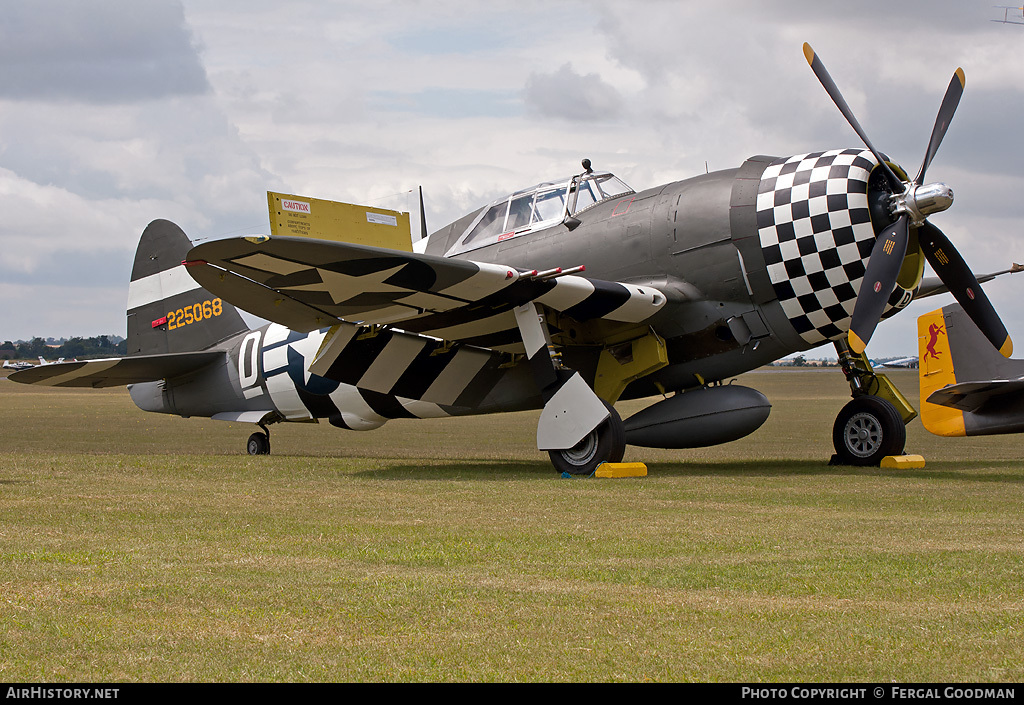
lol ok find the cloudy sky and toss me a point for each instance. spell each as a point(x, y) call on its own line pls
point(114, 113)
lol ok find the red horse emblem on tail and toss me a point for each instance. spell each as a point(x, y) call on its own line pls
point(933, 333)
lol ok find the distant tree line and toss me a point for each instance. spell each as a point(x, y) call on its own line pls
point(100, 346)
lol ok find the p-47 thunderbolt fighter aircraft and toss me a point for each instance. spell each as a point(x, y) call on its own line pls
point(565, 297)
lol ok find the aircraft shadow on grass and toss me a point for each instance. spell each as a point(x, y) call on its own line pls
point(495, 470)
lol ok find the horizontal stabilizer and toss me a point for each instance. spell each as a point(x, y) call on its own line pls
point(970, 396)
point(116, 371)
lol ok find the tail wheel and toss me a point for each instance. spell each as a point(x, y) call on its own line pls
point(259, 444)
point(866, 430)
point(605, 444)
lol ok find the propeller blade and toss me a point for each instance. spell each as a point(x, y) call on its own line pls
point(879, 279)
point(833, 92)
point(961, 282)
point(949, 104)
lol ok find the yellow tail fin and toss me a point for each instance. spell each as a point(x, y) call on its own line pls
point(935, 372)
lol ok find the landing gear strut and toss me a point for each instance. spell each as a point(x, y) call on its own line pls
point(873, 424)
point(259, 443)
point(577, 428)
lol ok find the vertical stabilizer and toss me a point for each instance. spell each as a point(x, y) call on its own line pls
point(973, 389)
point(936, 371)
point(168, 311)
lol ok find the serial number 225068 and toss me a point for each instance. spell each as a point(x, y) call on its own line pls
point(194, 313)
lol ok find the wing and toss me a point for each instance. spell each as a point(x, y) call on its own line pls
point(115, 371)
point(308, 284)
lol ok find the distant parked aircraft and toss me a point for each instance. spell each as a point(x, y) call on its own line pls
point(904, 362)
point(42, 361)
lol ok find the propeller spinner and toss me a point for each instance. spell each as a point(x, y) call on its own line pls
point(911, 202)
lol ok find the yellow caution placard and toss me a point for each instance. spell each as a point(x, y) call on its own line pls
point(301, 216)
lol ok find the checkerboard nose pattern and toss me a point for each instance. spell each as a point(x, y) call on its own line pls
point(816, 234)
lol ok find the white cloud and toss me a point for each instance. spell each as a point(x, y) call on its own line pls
point(115, 51)
point(364, 102)
point(568, 95)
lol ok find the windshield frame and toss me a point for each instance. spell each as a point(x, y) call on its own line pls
point(482, 232)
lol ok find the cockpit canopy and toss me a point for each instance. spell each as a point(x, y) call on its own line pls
point(542, 206)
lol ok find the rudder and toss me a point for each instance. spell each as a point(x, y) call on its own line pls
point(168, 311)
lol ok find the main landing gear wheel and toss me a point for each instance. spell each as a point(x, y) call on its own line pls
point(866, 430)
point(259, 444)
point(605, 444)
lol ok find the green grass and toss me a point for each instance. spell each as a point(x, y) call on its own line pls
point(137, 547)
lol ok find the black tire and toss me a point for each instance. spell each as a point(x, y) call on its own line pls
point(605, 444)
point(866, 430)
point(259, 444)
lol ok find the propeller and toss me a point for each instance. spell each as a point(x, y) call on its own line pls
point(964, 286)
point(912, 202)
point(886, 259)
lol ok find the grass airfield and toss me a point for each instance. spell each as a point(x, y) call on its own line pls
point(140, 547)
